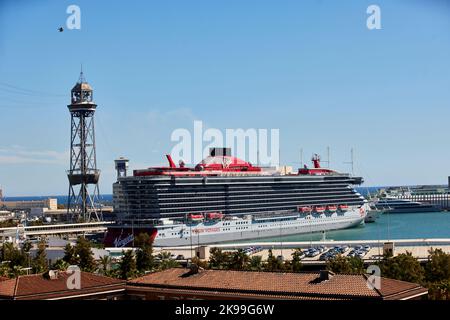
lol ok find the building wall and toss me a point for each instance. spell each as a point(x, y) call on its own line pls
point(49, 203)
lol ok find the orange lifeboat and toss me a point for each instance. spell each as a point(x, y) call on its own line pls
point(304, 209)
point(332, 208)
point(214, 215)
point(195, 217)
point(343, 207)
point(319, 209)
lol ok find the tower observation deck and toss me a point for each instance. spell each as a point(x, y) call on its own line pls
point(83, 175)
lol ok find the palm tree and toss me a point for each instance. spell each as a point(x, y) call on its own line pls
point(239, 260)
point(217, 259)
point(296, 264)
point(16, 271)
point(255, 263)
point(105, 262)
point(60, 264)
point(165, 261)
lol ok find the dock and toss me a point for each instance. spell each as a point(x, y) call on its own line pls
point(53, 229)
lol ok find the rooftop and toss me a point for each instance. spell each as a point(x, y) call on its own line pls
point(37, 286)
point(308, 285)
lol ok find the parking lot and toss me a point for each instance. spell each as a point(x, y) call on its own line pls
point(374, 253)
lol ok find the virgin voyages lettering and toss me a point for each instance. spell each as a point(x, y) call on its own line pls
point(206, 230)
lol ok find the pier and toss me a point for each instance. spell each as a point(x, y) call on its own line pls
point(54, 229)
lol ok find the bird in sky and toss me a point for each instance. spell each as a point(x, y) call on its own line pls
point(60, 29)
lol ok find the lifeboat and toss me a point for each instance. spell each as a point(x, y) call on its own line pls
point(304, 209)
point(195, 217)
point(214, 215)
point(319, 209)
point(332, 208)
point(343, 207)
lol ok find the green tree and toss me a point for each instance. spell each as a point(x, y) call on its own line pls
point(16, 271)
point(437, 268)
point(272, 263)
point(26, 246)
point(402, 267)
point(218, 259)
point(144, 253)
point(348, 265)
point(60, 264)
point(239, 260)
point(255, 263)
point(40, 260)
point(84, 252)
point(4, 270)
point(13, 255)
point(105, 265)
point(437, 275)
point(127, 265)
point(70, 255)
point(296, 263)
point(165, 261)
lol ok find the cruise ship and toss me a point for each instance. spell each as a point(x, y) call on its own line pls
point(224, 199)
point(396, 205)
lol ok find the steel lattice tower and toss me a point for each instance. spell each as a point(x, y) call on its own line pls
point(83, 201)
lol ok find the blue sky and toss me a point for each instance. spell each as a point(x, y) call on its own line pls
point(309, 68)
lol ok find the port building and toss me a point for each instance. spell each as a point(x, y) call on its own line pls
point(28, 205)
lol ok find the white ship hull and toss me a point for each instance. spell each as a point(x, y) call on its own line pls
point(235, 230)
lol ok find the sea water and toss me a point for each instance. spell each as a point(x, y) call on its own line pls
point(386, 227)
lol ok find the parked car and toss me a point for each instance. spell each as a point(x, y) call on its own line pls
point(312, 252)
point(324, 257)
point(361, 254)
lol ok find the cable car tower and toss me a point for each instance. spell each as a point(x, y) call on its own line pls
point(83, 201)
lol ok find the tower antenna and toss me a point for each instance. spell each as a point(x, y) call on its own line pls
point(301, 157)
point(328, 157)
point(352, 161)
point(82, 79)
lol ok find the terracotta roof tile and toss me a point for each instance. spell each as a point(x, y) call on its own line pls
point(263, 282)
point(7, 287)
point(391, 288)
point(38, 286)
point(274, 284)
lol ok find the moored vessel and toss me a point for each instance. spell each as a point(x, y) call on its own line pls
point(224, 198)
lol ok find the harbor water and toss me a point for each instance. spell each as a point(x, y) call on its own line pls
point(387, 226)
